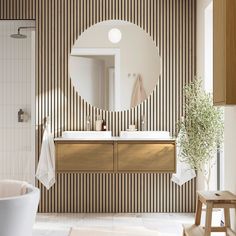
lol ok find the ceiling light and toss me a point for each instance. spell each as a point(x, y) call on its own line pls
point(114, 35)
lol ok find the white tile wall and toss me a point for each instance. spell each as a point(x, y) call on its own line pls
point(16, 150)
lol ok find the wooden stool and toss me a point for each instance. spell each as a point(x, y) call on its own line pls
point(216, 199)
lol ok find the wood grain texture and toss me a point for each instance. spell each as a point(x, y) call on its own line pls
point(17, 9)
point(214, 199)
point(219, 53)
point(172, 26)
point(122, 192)
point(90, 156)
point(209, 208)
point(217, 197)
point(224, 59)
point(115, 156)
point(198, 213)
point(146, 157)
point(230, 52)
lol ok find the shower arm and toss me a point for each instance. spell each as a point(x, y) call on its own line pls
point(25, 27)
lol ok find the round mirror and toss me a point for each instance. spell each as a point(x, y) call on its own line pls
point(114, 65)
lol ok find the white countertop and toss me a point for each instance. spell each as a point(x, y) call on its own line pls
point(113, 139)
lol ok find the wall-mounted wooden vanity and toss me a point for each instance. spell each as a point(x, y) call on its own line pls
point(115, 155)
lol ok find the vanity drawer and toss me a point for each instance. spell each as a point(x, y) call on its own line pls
point(83, 157)
point(146, 157)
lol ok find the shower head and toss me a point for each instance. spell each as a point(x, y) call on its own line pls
point(19, 35)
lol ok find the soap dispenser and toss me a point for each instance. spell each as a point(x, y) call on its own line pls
point(98, 123)
point(20, 115)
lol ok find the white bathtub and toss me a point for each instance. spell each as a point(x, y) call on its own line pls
point(17, 213)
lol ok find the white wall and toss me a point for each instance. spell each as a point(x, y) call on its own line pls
point(205, 63)
point(230, 152)
point(109, 62)
point(92, 72)
point(16, 150)
point(205, 42)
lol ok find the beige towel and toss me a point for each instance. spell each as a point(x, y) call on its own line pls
point(12, 188)
point(139, 94)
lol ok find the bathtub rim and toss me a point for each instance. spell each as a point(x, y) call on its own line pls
point(34, 190)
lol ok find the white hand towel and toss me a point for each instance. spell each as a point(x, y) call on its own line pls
point(139, 93)
point(184, 172)
point(46, 166)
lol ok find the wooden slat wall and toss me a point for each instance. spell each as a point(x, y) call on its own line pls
point(171, 24)
point(17, 9)
point(126, 192)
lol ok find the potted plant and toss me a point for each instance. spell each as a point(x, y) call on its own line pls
point(201, 129)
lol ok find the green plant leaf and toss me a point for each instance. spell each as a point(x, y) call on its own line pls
point(201, 128)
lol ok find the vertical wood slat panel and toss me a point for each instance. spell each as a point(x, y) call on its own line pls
point(17, 10)
point(112, 193)
point(171, 24)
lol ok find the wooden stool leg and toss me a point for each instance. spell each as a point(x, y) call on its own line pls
point(198, 212)
point(227, 217)
point(209, 207)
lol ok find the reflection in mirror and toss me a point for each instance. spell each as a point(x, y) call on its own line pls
point(114, 65)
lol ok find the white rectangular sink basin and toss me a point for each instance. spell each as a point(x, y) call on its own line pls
point(86, 134)
point(145, 134)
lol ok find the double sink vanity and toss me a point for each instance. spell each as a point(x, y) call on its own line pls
point(98, 151)
point(110, 81)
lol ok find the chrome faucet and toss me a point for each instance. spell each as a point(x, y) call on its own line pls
point(88, 124)
point(143, 128)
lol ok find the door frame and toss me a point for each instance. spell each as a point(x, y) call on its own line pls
point(104, 52)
